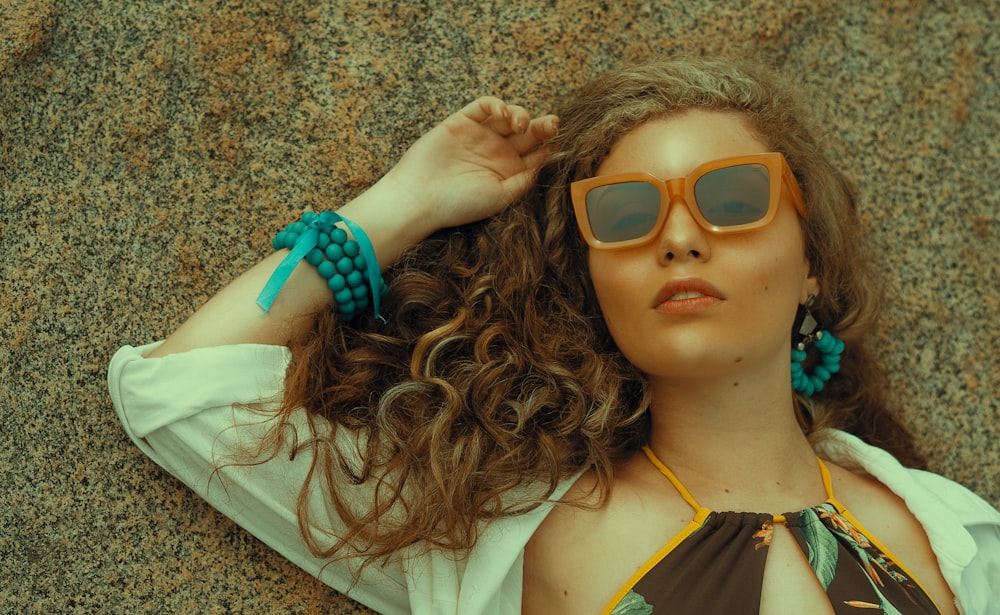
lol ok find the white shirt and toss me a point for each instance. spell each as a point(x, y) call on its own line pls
point(184, 412)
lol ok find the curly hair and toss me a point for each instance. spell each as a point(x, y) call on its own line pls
point(496, 378)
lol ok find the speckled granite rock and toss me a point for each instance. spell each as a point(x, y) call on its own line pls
point(150, 148)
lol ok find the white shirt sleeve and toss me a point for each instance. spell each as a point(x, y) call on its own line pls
point(978, 590)
point(192, 412)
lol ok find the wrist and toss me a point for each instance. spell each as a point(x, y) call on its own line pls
point(393, 217)
point(349, 266)
point(383, 221)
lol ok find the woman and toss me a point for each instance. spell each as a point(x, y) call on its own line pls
point(617, 341)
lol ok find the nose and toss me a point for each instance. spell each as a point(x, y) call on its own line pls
point(681, 237)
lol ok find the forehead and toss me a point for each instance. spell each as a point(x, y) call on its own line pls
point(672, 146)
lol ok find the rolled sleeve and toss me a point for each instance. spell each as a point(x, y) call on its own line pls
point(198, 414)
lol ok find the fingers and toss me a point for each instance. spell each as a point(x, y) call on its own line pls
point(493, 113)
point(507, 119)
point(519, 183)
point(483, 108)
point(534, 159)
point(539, 130)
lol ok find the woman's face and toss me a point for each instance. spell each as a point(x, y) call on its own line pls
point(691, 303)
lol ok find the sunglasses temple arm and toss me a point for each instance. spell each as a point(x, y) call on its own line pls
point(795, 190)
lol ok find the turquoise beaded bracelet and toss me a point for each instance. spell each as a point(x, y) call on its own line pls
point(343, 262)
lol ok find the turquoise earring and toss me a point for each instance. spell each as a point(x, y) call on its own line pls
point(830, 348)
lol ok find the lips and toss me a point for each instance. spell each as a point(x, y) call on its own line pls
point(686, 294)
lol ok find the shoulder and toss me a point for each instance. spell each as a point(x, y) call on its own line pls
point(554, 554)
point(961, 529)
point(923, 492)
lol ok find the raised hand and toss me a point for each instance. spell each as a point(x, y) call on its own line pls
point(474, 163)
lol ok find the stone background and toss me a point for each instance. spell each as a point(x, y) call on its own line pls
point(150, 148)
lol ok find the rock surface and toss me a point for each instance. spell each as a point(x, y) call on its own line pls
point(150, 149)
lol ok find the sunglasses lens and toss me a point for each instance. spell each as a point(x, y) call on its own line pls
point(620, 212)
point(733, 196)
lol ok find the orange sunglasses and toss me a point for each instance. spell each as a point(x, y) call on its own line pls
point(731, 195)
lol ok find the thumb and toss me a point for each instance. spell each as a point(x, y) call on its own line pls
point(516, 185)
point(520, 182)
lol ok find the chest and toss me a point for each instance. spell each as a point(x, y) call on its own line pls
point(585, 561)
point(585, 575)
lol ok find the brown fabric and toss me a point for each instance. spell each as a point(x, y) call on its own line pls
point(719, 568)
point(715, 570)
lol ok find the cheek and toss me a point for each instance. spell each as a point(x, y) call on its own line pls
point(778, 262)
point(610, 278)
point(776, 276)
point(600, 277)
point(776, 284)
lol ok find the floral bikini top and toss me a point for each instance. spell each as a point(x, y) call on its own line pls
point(716, 564)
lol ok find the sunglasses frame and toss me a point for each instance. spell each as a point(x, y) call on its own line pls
point(774, 162)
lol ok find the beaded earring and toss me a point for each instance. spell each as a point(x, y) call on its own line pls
point(829, 347)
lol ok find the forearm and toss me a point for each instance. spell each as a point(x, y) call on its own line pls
point(390, 220)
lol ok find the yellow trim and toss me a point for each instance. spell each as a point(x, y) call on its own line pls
point(700, 515)
point(673, 479)
point(699, 520)
point(881, 547)
point(682, 490)
point(827, 483)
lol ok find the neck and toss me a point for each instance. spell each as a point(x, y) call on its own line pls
point(735, 447)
